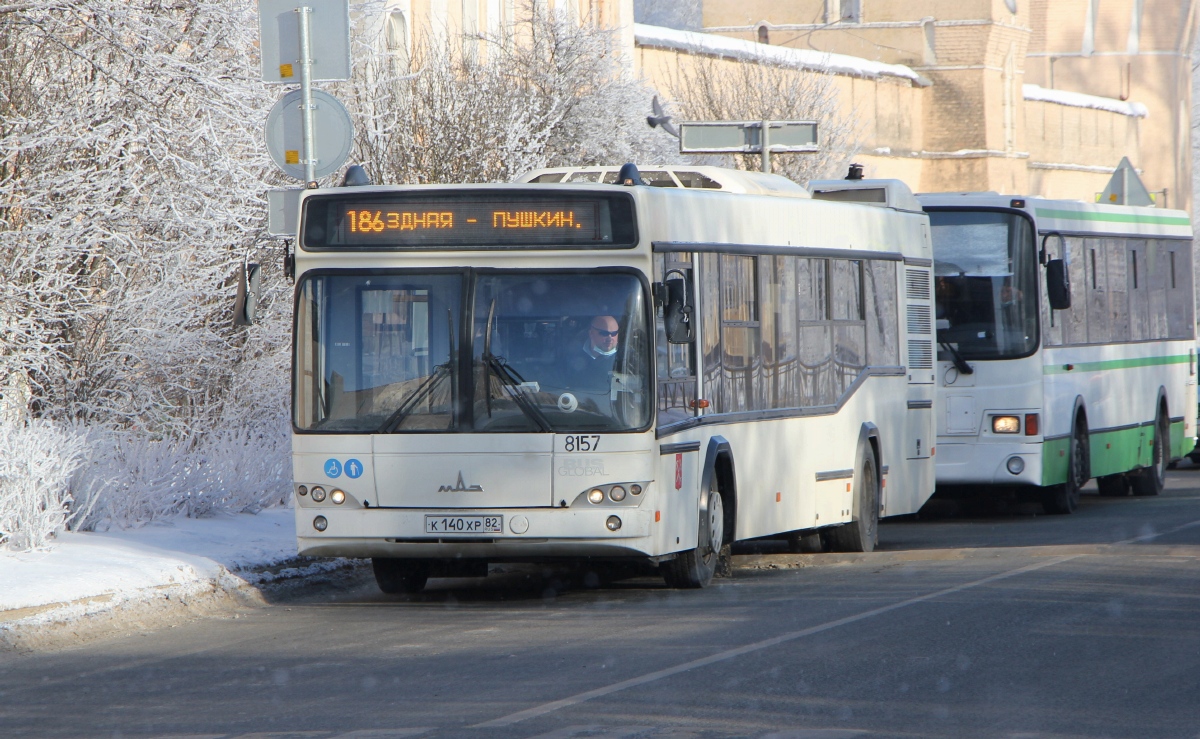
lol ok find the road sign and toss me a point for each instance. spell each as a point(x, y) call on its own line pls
point(745, 137)
point(283, 211)
point(332, 134)
point(1125, 187)
point(279, 40)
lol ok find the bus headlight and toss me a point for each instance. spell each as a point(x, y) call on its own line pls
point(318, 493)
point(617, 493)
point(1006, 425)
point(613, 523)
point(320, 523)
point(338, 497)
point(595, 495)
point(1015, 465)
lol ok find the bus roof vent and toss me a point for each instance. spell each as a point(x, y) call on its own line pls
point(883, 193)
point(674, 175)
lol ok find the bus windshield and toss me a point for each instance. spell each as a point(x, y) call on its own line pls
point(538, 351)
point(985, 268)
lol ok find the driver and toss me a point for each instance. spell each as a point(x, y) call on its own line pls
point(592, 365)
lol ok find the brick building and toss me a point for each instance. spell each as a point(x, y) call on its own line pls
point(1037, 97)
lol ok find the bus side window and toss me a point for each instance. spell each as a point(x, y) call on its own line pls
point(1180, 323)
point(675, 368)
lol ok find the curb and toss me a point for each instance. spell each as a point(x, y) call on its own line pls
point(67, 623)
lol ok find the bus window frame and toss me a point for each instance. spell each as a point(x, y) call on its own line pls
point(467, 322)
point(1038, 287)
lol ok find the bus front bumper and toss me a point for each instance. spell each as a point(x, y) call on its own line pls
point(543, 533)
point(990, 463)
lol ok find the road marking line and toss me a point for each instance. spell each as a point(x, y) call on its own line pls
point(755, 647)
point(1148, 537)
point(383, 733)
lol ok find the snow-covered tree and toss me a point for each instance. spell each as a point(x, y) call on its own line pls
point(545, 90)
point(131, 186)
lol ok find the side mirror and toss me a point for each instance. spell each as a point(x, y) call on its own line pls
point(1058, 284)
point(245, 305)
point(678, 309)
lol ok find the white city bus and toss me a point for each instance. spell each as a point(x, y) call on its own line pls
point(1067, 345)
point(531, 371)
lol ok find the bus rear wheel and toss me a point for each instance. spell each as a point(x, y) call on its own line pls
point(397, 576)
point(861, 534)
point(695, 568)
point(1150, 480)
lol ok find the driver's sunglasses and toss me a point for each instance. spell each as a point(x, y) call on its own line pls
point(602, 332)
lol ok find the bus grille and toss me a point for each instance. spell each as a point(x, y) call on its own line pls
point(918, 319)
point(920, 354)
point(917, 283)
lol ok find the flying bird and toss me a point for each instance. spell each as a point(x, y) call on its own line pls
point(660, 118)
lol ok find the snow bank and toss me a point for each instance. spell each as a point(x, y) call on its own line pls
point(731, 48)
point(1080, 100)
point(181, 551)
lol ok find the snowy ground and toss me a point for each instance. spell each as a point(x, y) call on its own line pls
point(87, 576)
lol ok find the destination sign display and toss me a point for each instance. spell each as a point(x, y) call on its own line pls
point(475, 220)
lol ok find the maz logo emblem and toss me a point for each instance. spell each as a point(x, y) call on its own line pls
point(460, 487)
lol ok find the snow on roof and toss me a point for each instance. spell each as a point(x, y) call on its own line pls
point(732, 48)
point(1080, 100)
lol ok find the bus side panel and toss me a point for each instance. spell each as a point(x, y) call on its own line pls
point(676, 501)
point(1118, 386)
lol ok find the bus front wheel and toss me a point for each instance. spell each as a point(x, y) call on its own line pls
point(695, 568)
point(1150, 480)
point(397, 576)
point(1061, 499)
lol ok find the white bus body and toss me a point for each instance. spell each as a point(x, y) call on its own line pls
point(1105, 388)
point(436, 394)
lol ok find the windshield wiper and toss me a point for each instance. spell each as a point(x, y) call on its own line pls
point(426, 388)
point(960, 364)
point(423, 390)
point(511, 378)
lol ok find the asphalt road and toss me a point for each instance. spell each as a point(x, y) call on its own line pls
point(1005, 623)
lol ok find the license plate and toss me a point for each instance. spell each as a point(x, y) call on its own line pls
point(464, 524)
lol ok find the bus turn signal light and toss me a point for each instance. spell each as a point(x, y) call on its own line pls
point(1031, 424)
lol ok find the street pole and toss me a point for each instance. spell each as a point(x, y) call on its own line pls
point(766, 147)
point(306, 101)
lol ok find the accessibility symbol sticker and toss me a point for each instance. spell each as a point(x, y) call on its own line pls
point(333, 468)
point(354, 469)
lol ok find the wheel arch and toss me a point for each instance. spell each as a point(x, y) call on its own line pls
point(1079, 411)
point(718, 462)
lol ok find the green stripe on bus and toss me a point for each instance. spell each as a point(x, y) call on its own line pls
point(1083, 215)
point(1112, 452)
point(1111, 364)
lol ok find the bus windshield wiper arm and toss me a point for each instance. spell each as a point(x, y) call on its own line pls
point(960, 364)
point(423, 390)
point(514, 383)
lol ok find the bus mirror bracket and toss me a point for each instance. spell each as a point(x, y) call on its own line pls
point(245, 305)
point(677, 307)
point(1058, 284)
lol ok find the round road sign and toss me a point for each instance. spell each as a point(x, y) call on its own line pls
point(333, 134)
